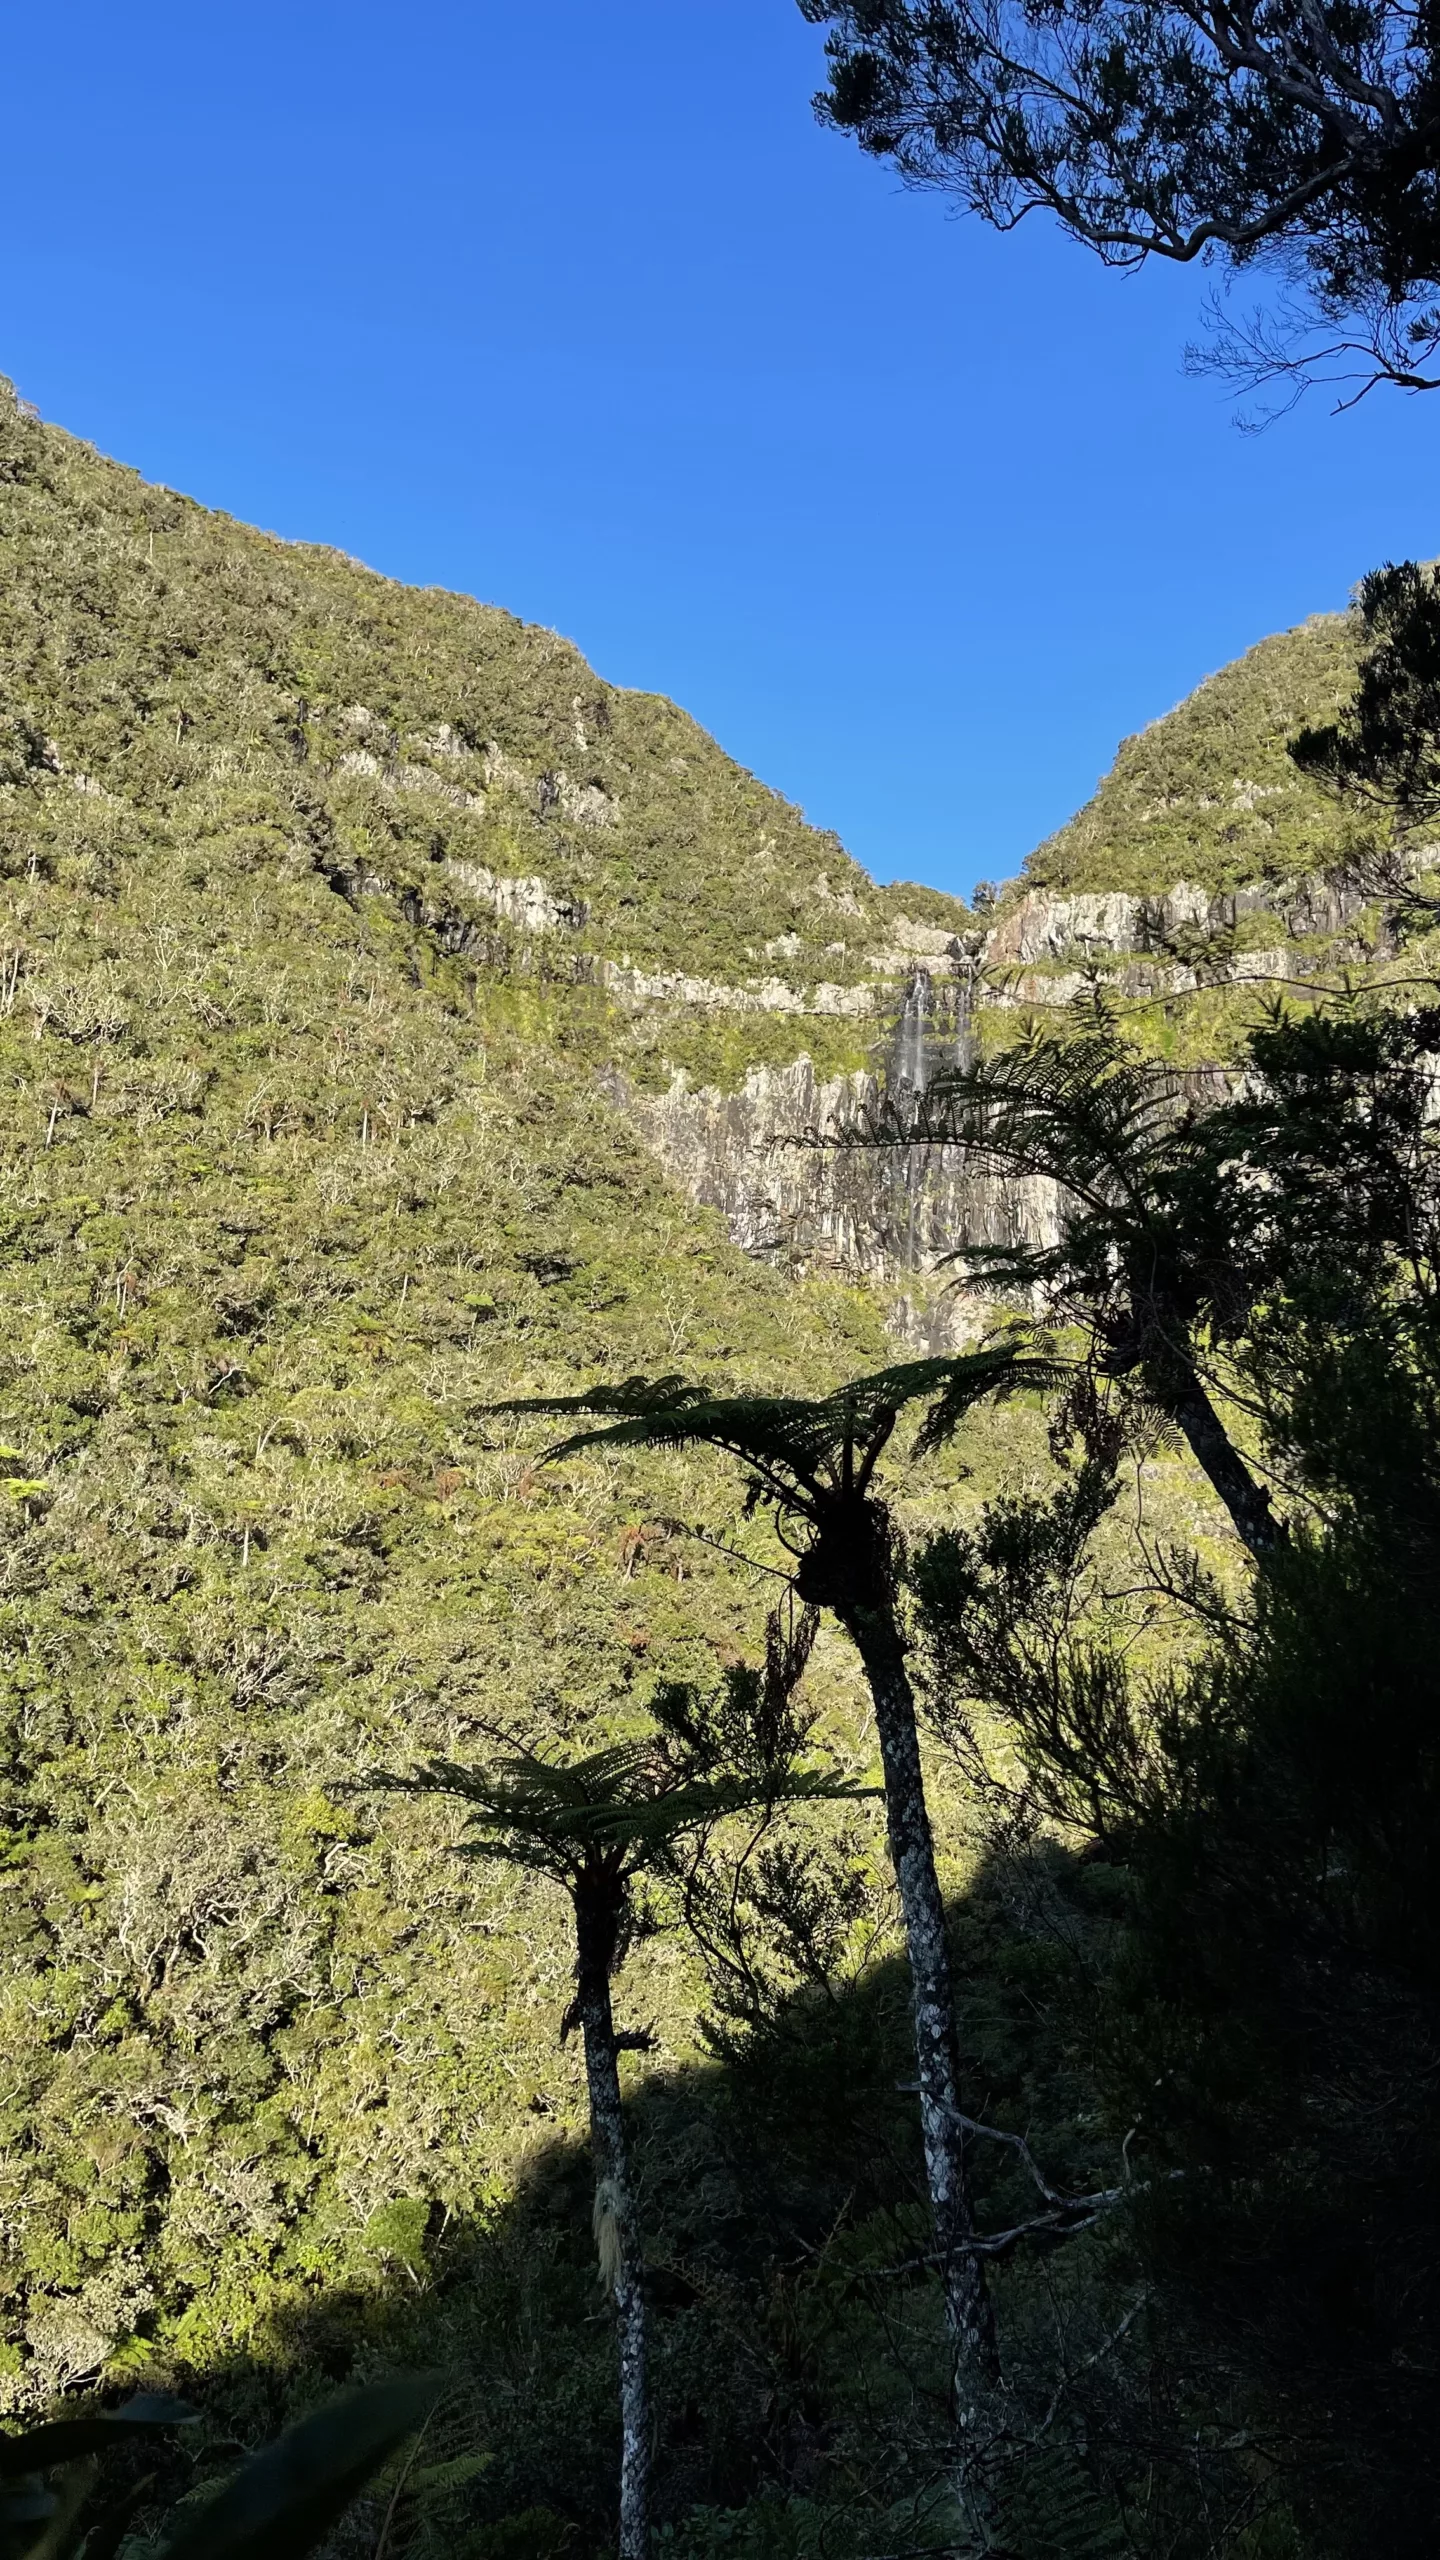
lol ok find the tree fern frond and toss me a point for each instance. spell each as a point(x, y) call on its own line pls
point(549, 1814)
point(1008, 1377)
point(1052, 2510)
point(1080, 1108)
point(797, 1445)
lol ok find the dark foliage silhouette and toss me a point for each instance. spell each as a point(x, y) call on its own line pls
point(814, 1462)
point(1303, 138)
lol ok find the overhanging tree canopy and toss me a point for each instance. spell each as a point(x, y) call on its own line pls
point(1302, 132)
point(1382, 752)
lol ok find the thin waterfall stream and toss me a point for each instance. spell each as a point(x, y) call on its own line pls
point(911, 1062)
point(934, 1032)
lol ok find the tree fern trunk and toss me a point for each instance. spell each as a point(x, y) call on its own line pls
point(967, 2298)
point(1181, 1395)
point(617, 2236)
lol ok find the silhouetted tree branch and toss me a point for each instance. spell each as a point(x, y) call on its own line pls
point(1301, 135)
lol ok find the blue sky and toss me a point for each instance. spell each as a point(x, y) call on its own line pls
point(577, 309)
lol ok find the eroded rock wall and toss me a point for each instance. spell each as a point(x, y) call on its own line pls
point(773, 1159)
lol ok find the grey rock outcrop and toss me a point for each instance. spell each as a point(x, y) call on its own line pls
point(771, 1159)
point(1110, 924)
point(764, 995)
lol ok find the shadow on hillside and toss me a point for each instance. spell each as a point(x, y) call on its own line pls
point(798, 2363)
point(795, 2353)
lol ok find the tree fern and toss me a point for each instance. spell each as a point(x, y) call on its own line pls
point(815, 1461)
point(596, 1825)
point(1050, 2509)
point(1145, 1258)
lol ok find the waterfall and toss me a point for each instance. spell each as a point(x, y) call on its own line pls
point(964, 1007)
point(911, 1062)
point(908, 1077)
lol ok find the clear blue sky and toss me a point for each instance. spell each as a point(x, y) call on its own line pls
point(577, 309)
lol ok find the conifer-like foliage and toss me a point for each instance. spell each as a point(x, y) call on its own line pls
point(1299, 136)
point(1380, 759)
point(1385, 746)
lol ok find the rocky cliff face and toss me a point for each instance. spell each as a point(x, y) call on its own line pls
point(772, 1156)
point(774, 1159)
point(765, 1151)
point(1106, 925)
point(1171, 944)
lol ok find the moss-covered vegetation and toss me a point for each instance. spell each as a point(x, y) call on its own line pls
point(289, 1204)
point(924, 906)
point(290, 1195)
point(278, 1224)
point(718, 1049)
point(1209, 793)
point(297, 1182)
point(170, 676)
point(305, 1167)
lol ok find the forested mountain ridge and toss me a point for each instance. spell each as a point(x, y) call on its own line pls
point(169, 671)
point(1207, 793)
point(336, 920)
point(291, 1193)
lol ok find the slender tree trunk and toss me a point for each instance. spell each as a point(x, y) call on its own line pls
point(967, 2299)
point(1181, 1395)
point(617, 2236)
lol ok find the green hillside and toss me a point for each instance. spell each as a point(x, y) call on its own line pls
point(278, 1222)
point(290, 1195)
point(173, 678)
point(1208, 794)
point(306, 1166)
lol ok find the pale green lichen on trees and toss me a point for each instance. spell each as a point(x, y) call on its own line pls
point(306, 1166)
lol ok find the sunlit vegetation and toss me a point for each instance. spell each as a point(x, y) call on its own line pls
point(1208, 793)
point(314, 1179)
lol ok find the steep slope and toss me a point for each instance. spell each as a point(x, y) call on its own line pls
point(170, 676)
point(1205, 874)
point(342, 928)
point(322, 948)
point(279, 1224)
point(295, 1186)
point(1208, 794)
